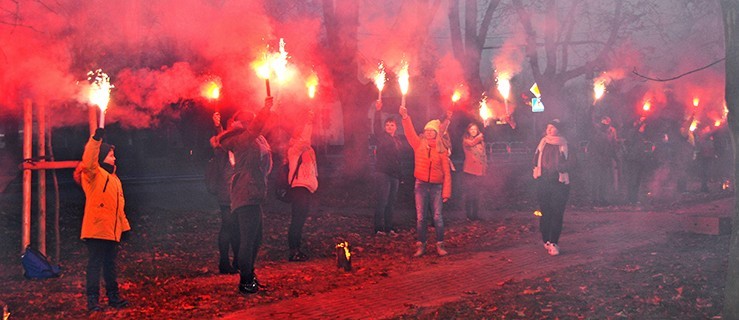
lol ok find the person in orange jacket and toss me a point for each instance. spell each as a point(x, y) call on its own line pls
point(433, 179)
point(104, 220)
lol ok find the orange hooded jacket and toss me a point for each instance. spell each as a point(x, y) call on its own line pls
point(104, 217)
point(431, 163)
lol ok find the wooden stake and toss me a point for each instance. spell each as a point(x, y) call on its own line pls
point(27, 154)
point(41, 120)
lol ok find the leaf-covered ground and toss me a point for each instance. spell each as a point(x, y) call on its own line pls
point(168, 263)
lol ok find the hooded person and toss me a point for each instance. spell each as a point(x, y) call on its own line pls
point(252, 165)
point(552, 164)
point(433, 184)
point(303, 179)
point(104, 219)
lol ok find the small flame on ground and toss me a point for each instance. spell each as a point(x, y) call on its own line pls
point(403, 77)
point(537, 213)
point(380, 77)
point(696, 101)
point(717, 123)
point(100, 86)
point(345, 245)
point(726, 185)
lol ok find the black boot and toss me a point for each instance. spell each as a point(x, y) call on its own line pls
point(248, 287)
point(115, 301)
point(92, 303)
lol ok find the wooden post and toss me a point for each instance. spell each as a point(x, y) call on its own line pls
point(27, 154)
point(41, 120)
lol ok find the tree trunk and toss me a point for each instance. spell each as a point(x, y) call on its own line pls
point(342, 22)
point(730, 10)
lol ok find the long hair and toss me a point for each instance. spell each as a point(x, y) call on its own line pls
point(467, 131)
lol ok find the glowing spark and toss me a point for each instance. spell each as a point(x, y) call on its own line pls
point(311, 83)
point(380, 77)
point(403, 77)
point(717, 123)
point(100, 86)
point(537, 213)
point(696, 100)
point(647, 105)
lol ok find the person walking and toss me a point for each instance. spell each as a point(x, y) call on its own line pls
point(303, 179)
point(104, 219)
point(253, 163)
point(433, 179)
point(218, 179)
point(475, 168)
point(552, 164)
point(388, 175)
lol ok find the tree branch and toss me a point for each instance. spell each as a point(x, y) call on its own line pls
point(678, 76)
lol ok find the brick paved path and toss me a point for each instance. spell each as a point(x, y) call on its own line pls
point(591, 236)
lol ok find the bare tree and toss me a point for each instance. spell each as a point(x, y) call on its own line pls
point(468, 46)
point(730, 10)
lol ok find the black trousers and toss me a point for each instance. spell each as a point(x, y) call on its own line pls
point(228, 237)
point(300, 208)
point(250, 228)
point(102, 254)
point(472, 190)
point(552, 197)
point(387, 194)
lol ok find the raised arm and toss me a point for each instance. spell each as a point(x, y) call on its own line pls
point(408, 129)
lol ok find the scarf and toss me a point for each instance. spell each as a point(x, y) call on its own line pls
point(564, 177)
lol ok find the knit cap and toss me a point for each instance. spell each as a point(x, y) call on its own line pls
point(433, 125)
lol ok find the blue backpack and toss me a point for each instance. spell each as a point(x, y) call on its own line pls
point(37, 266)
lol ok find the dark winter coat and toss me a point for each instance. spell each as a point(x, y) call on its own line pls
point(388, 155)
point(248, 185)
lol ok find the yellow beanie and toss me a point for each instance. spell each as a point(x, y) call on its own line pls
point(433, 125)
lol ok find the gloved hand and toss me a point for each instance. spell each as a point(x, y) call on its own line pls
point(99, 134)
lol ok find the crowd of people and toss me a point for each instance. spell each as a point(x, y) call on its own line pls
point(238, 176)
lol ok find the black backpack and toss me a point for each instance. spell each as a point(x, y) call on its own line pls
point(37, 266)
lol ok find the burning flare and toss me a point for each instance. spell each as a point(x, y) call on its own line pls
point(485, 112)
point(693, 125)
point(403, 77)
point(312, 83)
point(599, 88)
point(504, 85)
point(211, 90)
point(380, 77)
point(456, 96)
point(272, 63)
point(100, 86)
point(696, 100)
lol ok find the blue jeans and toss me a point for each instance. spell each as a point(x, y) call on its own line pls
point(428, 195)
point(387, 193)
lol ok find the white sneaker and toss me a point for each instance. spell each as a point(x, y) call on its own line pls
point(547, 245)
point(553, 249)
